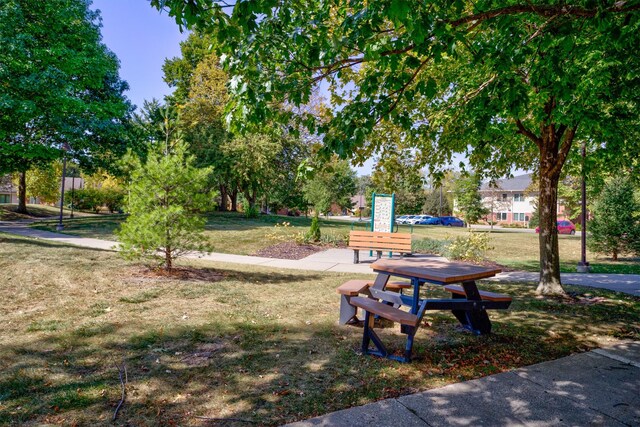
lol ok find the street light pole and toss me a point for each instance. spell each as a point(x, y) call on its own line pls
point(64, 173)
point(583, 265)
point(73, 187)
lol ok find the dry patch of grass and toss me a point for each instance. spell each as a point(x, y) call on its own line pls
point(240, 341)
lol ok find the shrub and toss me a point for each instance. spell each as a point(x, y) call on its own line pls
point(88, 199)
point(251, 212)
point(113, 198)
point(314, 231)
point(337, 239)
point(469, 248)
point(430, 246)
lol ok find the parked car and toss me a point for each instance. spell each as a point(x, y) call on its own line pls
point(417, 218)
point(564, 227)
point(451, 221)
point(402, 219)
point(433, 220)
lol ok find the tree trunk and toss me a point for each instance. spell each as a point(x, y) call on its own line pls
point(168, 262)
point(223, 198)
point(554, 144)
point(234, 200)
point(22, 193)
point(550, 283)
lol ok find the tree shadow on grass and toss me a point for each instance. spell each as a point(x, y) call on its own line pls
point(9, 239)
point(265, 371)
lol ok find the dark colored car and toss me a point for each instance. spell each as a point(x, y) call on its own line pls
point(564, 227)
point(434, 220)
point(451, 221)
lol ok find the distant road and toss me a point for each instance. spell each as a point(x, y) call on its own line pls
point(474, 226)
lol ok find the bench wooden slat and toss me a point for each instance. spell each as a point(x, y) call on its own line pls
point(485, 295)
point(378, 240)
point(395, 286)
point(385, 311)
point(386, 239)
point(382, 248)
point(376, 233)
point(353, 287)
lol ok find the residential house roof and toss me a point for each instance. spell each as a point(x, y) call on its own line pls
point(517, 183)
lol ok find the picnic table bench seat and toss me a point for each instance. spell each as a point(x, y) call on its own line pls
point(379, 242)
point(355, 287)
point(484, 295)
point(409, 323)
point(385, 311)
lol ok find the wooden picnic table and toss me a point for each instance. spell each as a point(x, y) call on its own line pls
point(468, 303)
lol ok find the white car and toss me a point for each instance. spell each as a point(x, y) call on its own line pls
point(402, 219)
point(417, 218)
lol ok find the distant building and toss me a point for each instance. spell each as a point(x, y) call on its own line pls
point(8, 193)
point(511, 201)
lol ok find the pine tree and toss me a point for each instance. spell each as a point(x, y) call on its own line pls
point(168, 198)
point(615, 228)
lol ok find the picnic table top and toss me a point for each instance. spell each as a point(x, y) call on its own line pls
point(434, 271)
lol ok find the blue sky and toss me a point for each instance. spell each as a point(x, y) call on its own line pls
point(141, 37)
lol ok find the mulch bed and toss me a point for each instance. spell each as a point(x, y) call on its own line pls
point(288, 250)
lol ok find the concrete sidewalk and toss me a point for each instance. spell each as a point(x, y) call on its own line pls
point(339, 260)
point(597, 388)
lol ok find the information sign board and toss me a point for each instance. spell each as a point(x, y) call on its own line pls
point(383, 216)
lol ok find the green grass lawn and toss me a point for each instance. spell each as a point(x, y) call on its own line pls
point(232, 233)
point(236, 341)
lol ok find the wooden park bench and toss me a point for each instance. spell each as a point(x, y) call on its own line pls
point(379, 242)
point(354, 288)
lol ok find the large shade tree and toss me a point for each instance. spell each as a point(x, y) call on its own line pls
point(60, 88)
point(508, 82)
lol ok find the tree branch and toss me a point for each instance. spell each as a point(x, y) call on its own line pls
point(543, 10)
point(564, 149)
point(526, 132)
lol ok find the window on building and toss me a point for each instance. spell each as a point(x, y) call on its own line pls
point(518, 197)
point(5, 198)
point(518, 216)
point(502, 216)
point(504, 196)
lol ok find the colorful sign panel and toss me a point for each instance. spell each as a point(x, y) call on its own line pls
point(383, 216)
